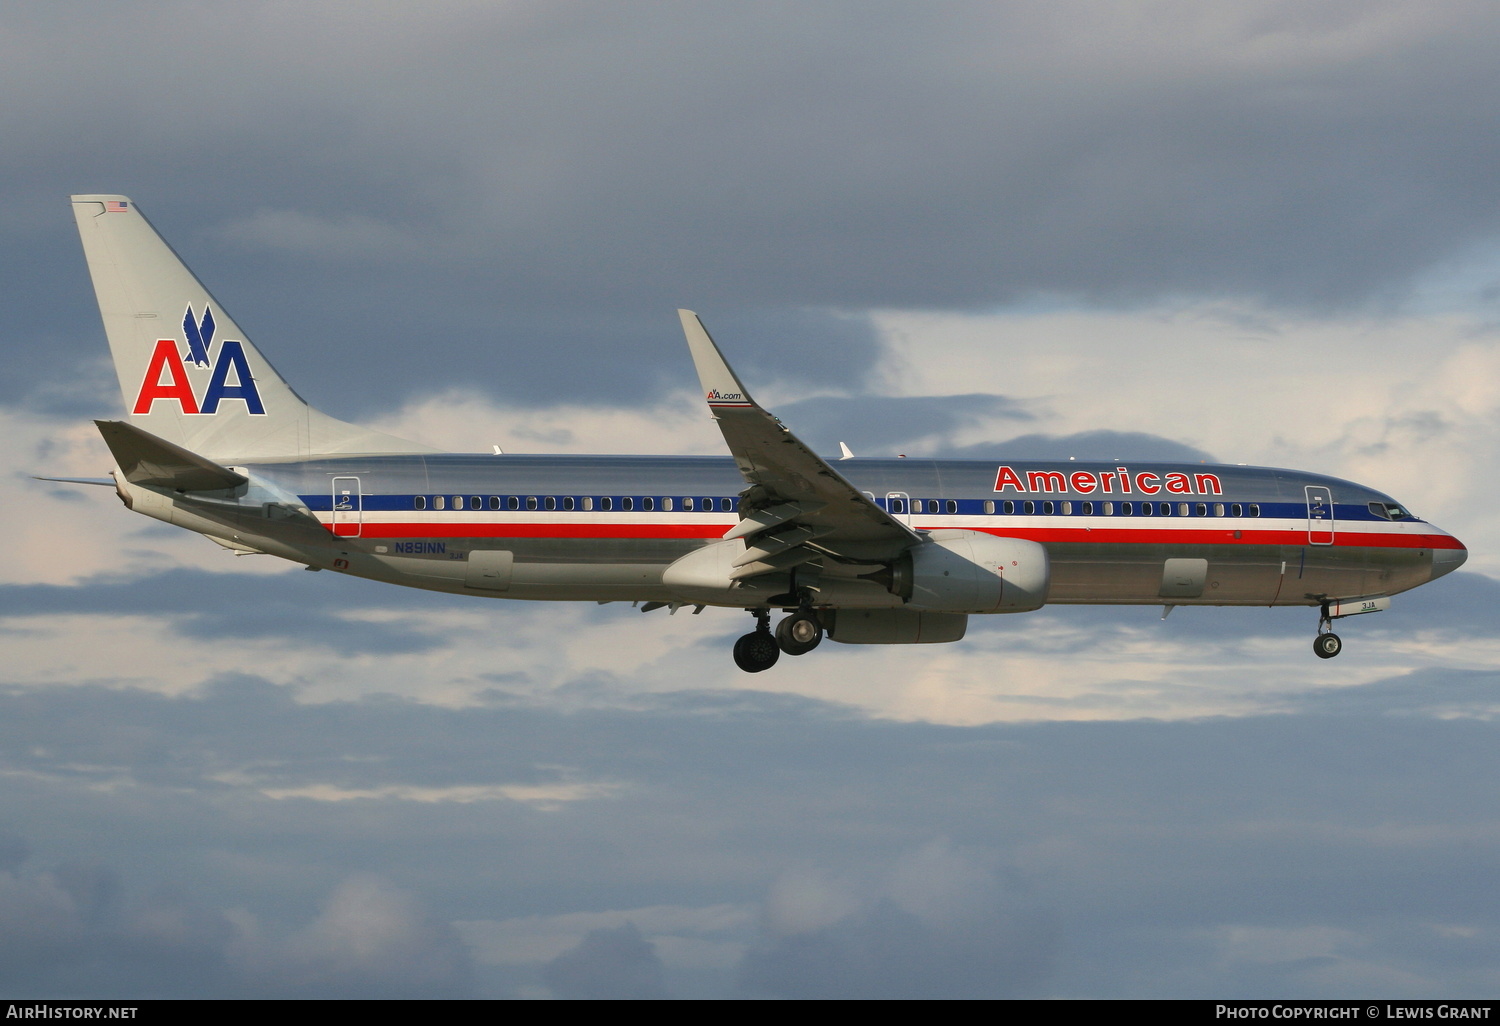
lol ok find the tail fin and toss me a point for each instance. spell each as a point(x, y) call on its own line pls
point(187, 373)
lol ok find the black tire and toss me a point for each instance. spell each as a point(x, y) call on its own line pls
point(1328, 645)
point(799, 634)
point(756, 651)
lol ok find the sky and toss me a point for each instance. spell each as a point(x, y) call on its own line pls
point(1249, 232)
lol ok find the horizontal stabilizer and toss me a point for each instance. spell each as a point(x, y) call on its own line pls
point(157, 463)
point(103, 482)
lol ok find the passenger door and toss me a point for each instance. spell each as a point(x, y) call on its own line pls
point(1319, 515)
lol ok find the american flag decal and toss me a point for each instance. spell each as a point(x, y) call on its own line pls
point(116, 206)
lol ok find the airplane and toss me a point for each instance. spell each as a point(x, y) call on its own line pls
point(871, 551)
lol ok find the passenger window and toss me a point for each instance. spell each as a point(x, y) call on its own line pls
point(439, 502)
point(458, 502)
point(419, 502)
point(476, 502)
point(1047, 507)
point(1165, 509)
point(932, 505)
point(1109, 508)
point(687, 505)
point(606, 503)
point(952, 505)
point(1255, 509)
point(1087, 508)
point(1009, 507)
point(1127, 509)
point(1182, 509)
point(1200, 509)
point(1067, 508)
point(1218, 509)
point(550, 502)
point(531, 502)
point(512, 502)
point(666, 504)
point(898, 506)
point(1028, 507)
point(989, 505)
point(1147, 509)
point(648, 503)
point(627, 503)
point(494, 502)
point(726, 505)
point(588, 502)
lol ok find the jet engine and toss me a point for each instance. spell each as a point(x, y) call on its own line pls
point(972, 572)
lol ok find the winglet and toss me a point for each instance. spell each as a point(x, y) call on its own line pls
point(720, 386)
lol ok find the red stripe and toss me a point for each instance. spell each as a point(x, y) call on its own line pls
point(1218, 536)
point(1074, 535)
point(462, 530)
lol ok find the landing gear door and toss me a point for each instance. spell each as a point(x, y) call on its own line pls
point(1319, 515)
point(348, 507)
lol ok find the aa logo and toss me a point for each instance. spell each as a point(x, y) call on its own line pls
point(166, 378)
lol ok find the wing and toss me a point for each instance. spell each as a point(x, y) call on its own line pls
point(797, 508)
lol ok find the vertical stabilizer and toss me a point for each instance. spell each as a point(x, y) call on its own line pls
point(187, 372)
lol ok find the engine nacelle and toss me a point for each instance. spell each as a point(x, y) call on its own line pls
point(972, 572)
point(893, 626)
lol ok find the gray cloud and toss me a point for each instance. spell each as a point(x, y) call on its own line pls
point(938, 926)
point(368, 217)
point(885, 952)
point(617, 964)
point(204, 606)
point(1084, 445)
point(1110, 858)
point(879, 425)
point(371, 940)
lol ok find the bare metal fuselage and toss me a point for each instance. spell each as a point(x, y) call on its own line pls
point(606, 528)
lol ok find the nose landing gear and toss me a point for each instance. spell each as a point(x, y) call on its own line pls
point(1327, 644)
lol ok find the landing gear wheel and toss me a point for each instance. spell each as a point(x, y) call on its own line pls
point(1328, 645)
point(756, 651)
point(799, 634)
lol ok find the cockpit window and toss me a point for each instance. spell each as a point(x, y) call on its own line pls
point(1389, 511)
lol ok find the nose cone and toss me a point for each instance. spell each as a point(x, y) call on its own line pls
point(1445, 561)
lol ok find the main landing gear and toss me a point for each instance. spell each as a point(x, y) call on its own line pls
point(799, 633)
point(1327, 644)
point(796, 635)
